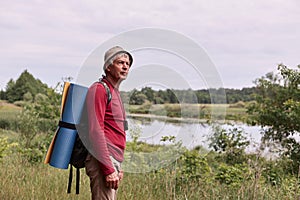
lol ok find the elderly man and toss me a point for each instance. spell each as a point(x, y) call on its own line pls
point(107, 125)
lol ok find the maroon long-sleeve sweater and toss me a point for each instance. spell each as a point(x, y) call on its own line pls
point(106, 125)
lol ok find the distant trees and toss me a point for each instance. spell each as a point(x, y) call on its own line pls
point(26, 88)
point(204, 96)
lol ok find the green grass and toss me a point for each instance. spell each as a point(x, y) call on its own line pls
point(21, 180)
point(8, 115)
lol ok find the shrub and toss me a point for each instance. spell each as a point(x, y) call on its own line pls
point(232, 175)
point(230, 143)
point(4, 124)
point(193, 165)
point(35, 152)
point(5, 147)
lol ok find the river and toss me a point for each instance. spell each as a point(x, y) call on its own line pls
point(190, 133)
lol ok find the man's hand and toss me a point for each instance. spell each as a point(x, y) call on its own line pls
point(112, 180)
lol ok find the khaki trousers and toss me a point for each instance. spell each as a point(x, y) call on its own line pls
point(98, 186)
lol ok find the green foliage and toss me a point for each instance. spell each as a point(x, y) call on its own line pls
point(34, 152)
point(35, 122)
point(273, 173)
point(233, 175)
point(277, 109)
point(27, 97)
point(5, 124)
point(149, 93)
point(36, 119)
point(137, 97)
point(28, 124)
point(2, 95)
point(10, 93)
point(5, 147)
point(23, 87)
point(193, 165)
point(232, 143)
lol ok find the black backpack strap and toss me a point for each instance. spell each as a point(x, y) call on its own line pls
point(70, 180)
point(77, 180)
point(109, 96)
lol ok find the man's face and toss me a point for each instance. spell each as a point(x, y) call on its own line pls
point(119, 68)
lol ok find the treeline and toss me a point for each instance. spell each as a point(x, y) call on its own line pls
point(27, 88)
point(203, 96)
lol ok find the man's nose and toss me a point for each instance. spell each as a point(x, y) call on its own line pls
point(125, 66)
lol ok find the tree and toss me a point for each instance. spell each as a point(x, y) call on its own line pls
point(26, 83)
point(149, 93)
point(10, 92)
point(2, 95)
point(277, 109)
point(137, 98)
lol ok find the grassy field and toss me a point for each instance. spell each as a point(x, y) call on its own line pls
point(8, 111)
point(26, 181)
point(21, 180)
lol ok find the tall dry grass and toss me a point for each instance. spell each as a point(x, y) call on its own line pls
point(21, 180)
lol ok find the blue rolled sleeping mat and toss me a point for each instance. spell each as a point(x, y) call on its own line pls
point(66, 132)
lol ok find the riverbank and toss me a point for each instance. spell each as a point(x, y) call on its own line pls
point(191, 112)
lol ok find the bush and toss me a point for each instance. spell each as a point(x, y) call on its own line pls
point(35, 152)
point(232, 175)
point(5, 147)
point(230, 143)
point(193, 165)
point(4, 124)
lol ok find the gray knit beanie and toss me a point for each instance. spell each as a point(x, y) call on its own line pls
point(109, 54)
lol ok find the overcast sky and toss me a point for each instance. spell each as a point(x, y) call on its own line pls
point(52, 39)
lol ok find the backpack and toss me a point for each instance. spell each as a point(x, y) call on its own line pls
point(80, 152)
